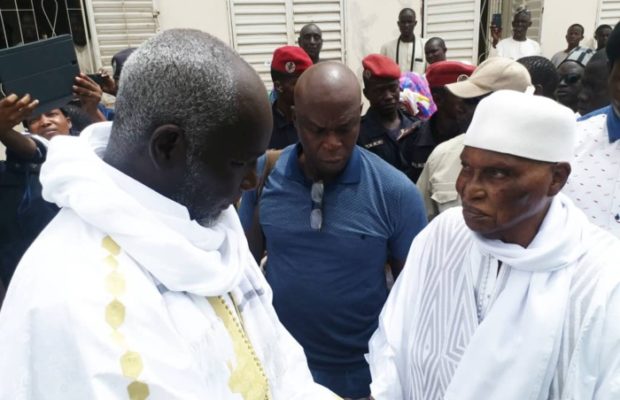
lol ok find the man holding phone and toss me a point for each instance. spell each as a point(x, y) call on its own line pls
point(519, 45)
point(23, 212)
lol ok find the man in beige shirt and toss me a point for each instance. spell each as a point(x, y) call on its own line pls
point(437, 181)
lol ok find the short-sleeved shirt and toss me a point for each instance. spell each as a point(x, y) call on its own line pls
point(407, 154)
point(594, 182)
point(329, 284)
point(283, 133)
point(515, 49)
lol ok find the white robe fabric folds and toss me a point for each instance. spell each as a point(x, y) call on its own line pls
point(112, 300)
point(552, 331)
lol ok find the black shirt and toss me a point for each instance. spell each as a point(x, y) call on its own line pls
point(23, 211)
point(408, 153)
point(284, 132)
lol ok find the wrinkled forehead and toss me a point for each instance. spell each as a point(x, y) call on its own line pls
point(487, 158)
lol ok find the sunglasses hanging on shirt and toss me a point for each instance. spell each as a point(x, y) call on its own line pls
point(316, 215)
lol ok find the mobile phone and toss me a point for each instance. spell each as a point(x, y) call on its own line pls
point(496, 20)
point(98, 78)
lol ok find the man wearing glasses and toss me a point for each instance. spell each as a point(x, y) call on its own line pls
point(333, 215)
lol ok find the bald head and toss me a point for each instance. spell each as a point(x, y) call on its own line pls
point(328, 81)
point(327, 117)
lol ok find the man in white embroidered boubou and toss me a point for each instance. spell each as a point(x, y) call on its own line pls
point(143, 286)
point(515, 295)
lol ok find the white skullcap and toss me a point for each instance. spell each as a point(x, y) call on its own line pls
point(523, 125)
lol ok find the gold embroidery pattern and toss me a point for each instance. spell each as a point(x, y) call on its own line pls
point(248, 378)
point(131, 362)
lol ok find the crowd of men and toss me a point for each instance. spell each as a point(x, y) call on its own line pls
point(209, 239)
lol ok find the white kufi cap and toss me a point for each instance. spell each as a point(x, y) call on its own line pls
point(523, 125)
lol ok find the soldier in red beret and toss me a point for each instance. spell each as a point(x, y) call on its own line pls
point(446, 121)
point(386, 129)
point(288, 63)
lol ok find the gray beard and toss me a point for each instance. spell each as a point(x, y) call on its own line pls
point(206, 215)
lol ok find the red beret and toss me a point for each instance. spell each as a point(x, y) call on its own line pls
point(291, 60)
point(378, 66)
point(444, 72)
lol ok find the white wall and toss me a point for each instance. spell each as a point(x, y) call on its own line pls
point(558, 15)
point(207, 15)
point(370, 23)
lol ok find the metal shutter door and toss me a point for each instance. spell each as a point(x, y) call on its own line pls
point(608, 12)
point(259, 27)
point(119, 24)
point(457, 23)
point(327, 14)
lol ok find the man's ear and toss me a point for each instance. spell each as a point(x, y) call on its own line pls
point(559, 175)
point(168, 147)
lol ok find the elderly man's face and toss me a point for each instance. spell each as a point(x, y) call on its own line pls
point(217, 173)
point(520, 24)
point(504, 197)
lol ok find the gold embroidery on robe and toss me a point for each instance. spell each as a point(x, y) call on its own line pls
point(247, 377)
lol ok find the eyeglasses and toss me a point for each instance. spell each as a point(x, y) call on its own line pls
point(570, 79)
point(316, 215)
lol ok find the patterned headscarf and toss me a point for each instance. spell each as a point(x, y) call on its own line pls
point(415, 95)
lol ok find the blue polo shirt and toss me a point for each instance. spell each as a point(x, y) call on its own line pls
point(329, 285)
point(613, 121)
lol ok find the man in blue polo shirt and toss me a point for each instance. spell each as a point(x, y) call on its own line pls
point(332, 215)
point(594, 184)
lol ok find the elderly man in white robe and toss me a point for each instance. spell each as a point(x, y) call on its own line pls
point(514, 296)
point(143, 286)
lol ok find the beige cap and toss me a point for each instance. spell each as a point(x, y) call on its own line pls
point(523, 125)
point(496, 73)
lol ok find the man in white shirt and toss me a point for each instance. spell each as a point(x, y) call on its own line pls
point(594, 185)
point(407, 50)
point(515, 295)
point(518, 45)
point(143, 286)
